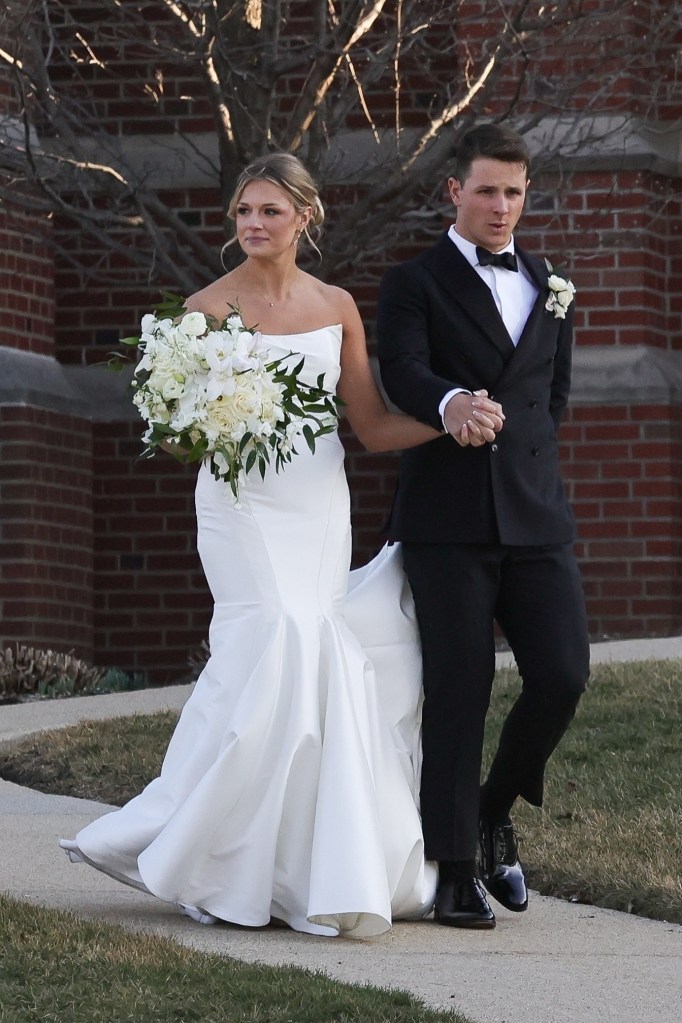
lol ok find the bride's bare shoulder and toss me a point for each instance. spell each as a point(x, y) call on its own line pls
point(215, 299)
point(339, 302)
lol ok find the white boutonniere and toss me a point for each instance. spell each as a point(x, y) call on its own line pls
point(561, 292)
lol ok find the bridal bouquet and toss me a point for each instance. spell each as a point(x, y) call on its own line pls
point(210, 390)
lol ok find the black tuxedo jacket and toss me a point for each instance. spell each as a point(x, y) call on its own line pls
point(439, 328)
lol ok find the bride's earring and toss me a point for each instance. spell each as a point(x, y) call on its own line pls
point(300, 232)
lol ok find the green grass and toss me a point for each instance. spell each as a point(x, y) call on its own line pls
point(609, 832)
point(109, 761)
point(55, 968)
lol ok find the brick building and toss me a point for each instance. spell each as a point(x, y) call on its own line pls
point(97, 549)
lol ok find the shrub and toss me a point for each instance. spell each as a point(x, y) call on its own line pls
point(27, 671)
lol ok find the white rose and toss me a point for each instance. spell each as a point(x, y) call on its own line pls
point(193, 324)
point(246, 403)
point(221, 418)
point(271, 413)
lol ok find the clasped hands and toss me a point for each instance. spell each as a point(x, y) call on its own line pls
point(473, 419)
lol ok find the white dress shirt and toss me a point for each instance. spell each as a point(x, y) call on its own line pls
point(514, 294)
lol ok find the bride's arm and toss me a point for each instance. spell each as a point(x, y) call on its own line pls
point(376, 428)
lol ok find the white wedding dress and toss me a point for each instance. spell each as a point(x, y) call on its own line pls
point(289, 789)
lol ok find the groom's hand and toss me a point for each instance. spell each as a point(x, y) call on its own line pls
point(473, 419)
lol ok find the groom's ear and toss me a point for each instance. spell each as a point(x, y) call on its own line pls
point(454, 188)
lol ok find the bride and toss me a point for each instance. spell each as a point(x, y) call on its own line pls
point(289, 789)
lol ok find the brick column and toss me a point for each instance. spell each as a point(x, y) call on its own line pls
point(45, 459)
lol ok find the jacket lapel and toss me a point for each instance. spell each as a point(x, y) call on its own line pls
point(541, 327)
point(536, 268)
point(455, 274)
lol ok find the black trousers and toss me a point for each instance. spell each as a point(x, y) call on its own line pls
point(536, 597)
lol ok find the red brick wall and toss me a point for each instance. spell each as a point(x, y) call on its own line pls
point(623, 469)
point(26, 283)
point(152, 605)
point(95, 309)
point(46, 530)
point(619, 235)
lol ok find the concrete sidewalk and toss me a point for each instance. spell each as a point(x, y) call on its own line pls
point(558, 963)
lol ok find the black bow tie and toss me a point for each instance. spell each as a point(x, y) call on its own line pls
point(504, 259)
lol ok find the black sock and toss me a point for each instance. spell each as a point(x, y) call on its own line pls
point(456, 870)
point(494, 808)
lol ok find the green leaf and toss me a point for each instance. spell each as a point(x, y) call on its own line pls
point(171, 306)
point(309, 436)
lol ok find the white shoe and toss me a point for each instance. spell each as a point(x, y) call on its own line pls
point(198, 915)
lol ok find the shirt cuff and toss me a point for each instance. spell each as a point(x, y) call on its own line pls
point(446, 399)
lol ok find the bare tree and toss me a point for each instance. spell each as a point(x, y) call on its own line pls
point(306, 77)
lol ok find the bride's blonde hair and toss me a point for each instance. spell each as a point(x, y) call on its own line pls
point(289, 174)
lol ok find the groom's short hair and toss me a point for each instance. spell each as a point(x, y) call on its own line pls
point(492, 141)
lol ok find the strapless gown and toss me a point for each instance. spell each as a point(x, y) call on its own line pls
point(289, 789)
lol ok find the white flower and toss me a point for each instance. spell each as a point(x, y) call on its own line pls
point(193, 324)
point(219, 386)
point(561, 292)
point(214, 392)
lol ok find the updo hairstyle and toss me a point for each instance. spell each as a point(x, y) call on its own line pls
point(289, 174)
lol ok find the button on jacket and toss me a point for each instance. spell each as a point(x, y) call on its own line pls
point(439, 328)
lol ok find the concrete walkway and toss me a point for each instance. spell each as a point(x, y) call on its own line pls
point(558, 963)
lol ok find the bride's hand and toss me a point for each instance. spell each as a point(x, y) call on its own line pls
point(473, 419)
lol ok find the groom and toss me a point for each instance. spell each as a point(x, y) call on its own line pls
point(474, 341)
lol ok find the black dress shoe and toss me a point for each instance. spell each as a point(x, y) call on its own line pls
point(462, 903)
point(501, 872)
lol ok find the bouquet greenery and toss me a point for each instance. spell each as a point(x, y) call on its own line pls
point(210, 390)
